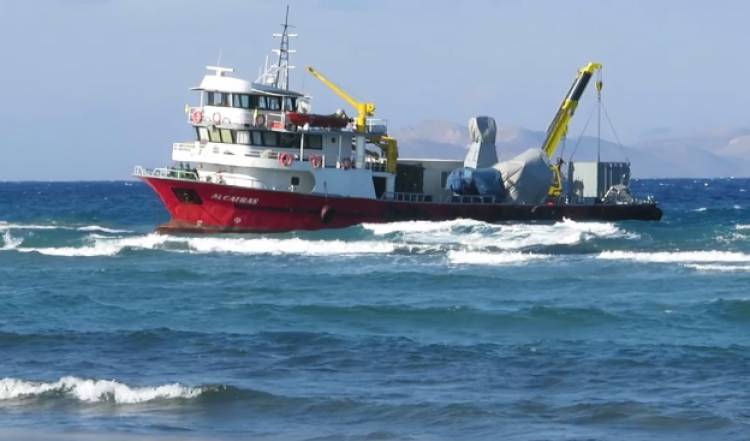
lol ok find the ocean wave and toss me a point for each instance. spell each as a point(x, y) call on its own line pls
point(90, 228)
point(742, 227)
point(719, 268)
point(12, 226)
point(109, 246)
point(102, 246)
point(677, 256)
point(699, 210)
point(10, 242)
point(487, 258)
point(4, 225)
point(422, 226)
point(92, 391)
point(476, 234)
point(287, 246)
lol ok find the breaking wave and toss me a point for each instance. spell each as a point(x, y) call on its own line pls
point(466, 241)
point(102, 246)
point(676, 256)
point(10, 242)
point(100, 229)
point(742, 227)
point(6, 226)
point(110, 246)
point(719, 268)
point(11, 226)
point(288, 246)
point(476, 234)
point(486, 258)
point(92, 391)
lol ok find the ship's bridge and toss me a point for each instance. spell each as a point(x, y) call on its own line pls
point(230, 101)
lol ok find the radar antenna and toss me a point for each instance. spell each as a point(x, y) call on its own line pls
point(277, 75)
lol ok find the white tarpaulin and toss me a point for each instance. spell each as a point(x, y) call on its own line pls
point(482, 153)
point(527, 177)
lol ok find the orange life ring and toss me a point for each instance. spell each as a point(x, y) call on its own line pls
point(260, 120)
point(346, 163)
point(316, 161)
point(196, 117)
point(216, 117)
point(286, 159)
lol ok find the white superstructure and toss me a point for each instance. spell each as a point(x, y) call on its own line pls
point(259, 134)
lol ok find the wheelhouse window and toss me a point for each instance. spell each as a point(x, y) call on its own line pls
point(274, 102)
point(218, 99)
point(243, 137)
point(241, 101)
point(314, 142)
point(289, 104)
point(262, 103)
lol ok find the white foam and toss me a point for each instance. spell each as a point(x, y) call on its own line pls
point(10, 242)
point(719, 268)
point(287, 246)
point(677, 256)
point(742, 227)
point(90, 228)
point(701, 209)
point(11, 226)
point(109, 246)
point(421, 226)
point(478, 235)
point(485, 258)
point(102, 246)
point(94, 390)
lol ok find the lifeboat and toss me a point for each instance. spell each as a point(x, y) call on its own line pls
point(314, 120)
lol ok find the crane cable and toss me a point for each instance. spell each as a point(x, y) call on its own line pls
point(600, 104)
point(580, 137)
point(614, 132)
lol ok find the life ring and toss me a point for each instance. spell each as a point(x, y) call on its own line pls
point(346, 163)
point(286, 159)
point(196, 117)
point(316, 161)
point(260, 120)
point(216, 117)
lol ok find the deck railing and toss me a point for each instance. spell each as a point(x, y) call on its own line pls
point(406, 197)
point(163, 172)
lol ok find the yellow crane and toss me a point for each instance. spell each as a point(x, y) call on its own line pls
point(364, 110)
point(559, 126)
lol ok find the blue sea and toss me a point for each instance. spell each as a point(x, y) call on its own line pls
point(455, 330)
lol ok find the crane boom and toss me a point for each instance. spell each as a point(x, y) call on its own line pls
point(364, 109)
point(559, 126)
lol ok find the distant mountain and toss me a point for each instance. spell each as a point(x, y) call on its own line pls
point(719, 153)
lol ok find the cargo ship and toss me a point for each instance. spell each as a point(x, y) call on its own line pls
point(262, 161)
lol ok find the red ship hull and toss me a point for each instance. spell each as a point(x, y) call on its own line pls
point(212, 208)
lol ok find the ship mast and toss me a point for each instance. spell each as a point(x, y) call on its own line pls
point(277, 75)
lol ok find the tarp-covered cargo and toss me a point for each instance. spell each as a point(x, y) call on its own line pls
point(482, 153)
point(482, 182)
point(527, 177)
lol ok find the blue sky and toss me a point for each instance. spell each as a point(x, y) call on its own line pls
point(94, 87)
